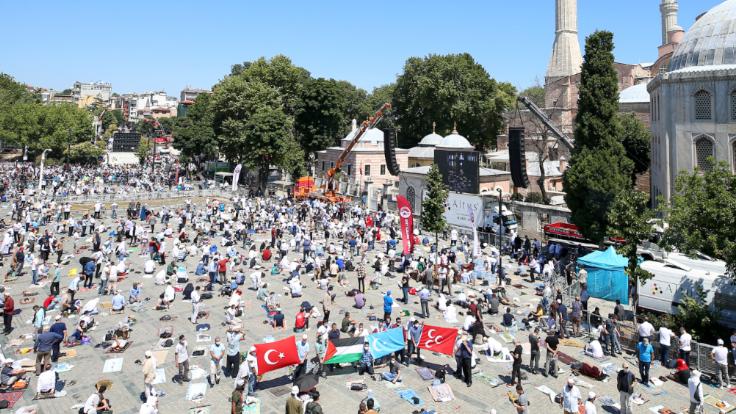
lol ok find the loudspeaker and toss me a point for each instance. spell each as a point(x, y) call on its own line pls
point(389, 150)
point(517, 157)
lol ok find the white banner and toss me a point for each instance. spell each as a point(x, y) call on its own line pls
point(236, 176)
point(459, 207)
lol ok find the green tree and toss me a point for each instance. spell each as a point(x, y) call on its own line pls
point(599, 169)
point(597, 124)
point(282, 75)
point(636, 139)
point(591, 184)
point(194, 135)
point(535, 94)
point(84, 153)
point(12, 92)
point(322, 114)
point(448, 89)
point(433, 207)
point(630, 219)
point(144, 150)
point(379, 96)
point(702, 214)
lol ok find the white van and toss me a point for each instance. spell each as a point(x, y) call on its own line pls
point(679, 276)
point(509, 219)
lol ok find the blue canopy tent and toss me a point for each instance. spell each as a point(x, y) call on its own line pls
point(606, 277)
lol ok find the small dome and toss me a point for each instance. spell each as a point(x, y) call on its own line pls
point(634, 94)
point(431, 140)
point(710, 41)
point(455, 140)
point(373, 136)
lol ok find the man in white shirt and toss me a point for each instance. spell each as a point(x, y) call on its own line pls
point(196, 298)
point(181, 357)
point(645, 330)
point(594, 349)
point(150, 406)
point(590, 404)
point(570, 397)
point(720, 355)
point(695, 390)
point(685, 345)
point(217, 351)
point(665, 341)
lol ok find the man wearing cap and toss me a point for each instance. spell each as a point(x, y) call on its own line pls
point(217, 351)
point(149, 374)
point(625, 386)
point(571, 398)
point(8, 375)
point(58, 327)
point(720, 355)
point(302, 348)
point(590, 404)
point(293, 404)
point(150, 406)
point(695, 390)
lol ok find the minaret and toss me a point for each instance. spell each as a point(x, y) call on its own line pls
point(566, 58)
point(668, 10)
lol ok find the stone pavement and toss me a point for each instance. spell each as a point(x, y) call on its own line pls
point(125, 394)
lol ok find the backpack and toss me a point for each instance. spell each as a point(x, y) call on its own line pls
point(311, 408)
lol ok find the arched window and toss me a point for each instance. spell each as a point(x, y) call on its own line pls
point(703, 150)
point(733, 105)
point(411, 196)
point(702, 105)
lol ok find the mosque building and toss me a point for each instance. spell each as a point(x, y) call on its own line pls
point(693, 100)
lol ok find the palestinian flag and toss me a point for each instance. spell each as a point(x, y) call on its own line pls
point(344, 350)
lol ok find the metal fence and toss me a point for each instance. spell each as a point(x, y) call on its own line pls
point(148, 195)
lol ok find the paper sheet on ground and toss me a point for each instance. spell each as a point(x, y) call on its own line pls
point(113, 365)
point(160, 376)
point(196, 391)
point(547, 390)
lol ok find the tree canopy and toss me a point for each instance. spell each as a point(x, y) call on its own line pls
point(599, 168)
point(636, 139)
point(702, 213)
point(535, 94)
point(433, 207)
point(449, 89)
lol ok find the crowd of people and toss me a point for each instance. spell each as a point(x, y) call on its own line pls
point(269, 250)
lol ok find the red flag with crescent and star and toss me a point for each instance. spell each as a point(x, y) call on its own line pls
point(278, 354)
point(438, 339)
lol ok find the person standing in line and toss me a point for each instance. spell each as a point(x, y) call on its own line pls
point(466, 355)
point(232, 360)
point(522, 401)
point(424, 295)
point(645, 352)
point(665, 341)
point(294, 405)
point(625, 386)
point(590, 404)
point(695, 390)
point(217, 351)
point(720, 356)
point(685, 341)
point(571, 398)
point(149, 374)
point(388, 303)
point(181, 357)
point(196, 298)
point(534, 347)
point(516, 365)
point(552, 341)
point(8, 312)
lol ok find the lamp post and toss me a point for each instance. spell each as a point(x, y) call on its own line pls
point(40, 174)
point(500, 232)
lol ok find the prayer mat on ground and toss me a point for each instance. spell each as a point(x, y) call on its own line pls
point(11, 397)
point(566, 359)
point(410, 396)
point(425, 373)
point(113, 365)
point(716, 402)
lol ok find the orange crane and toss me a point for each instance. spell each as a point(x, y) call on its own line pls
point(305, 186)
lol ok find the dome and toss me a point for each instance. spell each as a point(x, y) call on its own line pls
point(710, 41)
point(634, 94)
point(431, 140)
point(372, 136)
point(455, 140)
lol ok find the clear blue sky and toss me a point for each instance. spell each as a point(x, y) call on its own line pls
point(152, 45)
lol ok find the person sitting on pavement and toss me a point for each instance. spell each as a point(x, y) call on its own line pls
point(366, 362)
point(594, 349)
point(394, 371)
point(9, 375)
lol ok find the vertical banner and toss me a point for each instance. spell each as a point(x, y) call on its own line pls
point(407, 223)
point(236, 176)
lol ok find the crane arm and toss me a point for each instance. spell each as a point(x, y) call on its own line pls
point(547, 122)
point(365, 126)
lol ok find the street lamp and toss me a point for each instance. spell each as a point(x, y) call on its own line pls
point(500, 232)
point(40, 175)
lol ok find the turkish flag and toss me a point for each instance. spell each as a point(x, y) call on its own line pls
point(438, 339)
point(406, 218)
point(274, 355)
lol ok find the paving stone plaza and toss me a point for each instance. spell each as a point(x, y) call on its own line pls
point(80, 372)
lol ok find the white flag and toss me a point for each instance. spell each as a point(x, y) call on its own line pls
point(236, 176)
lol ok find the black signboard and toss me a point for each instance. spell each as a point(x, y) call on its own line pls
point(460, 170)
point(125, 141)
